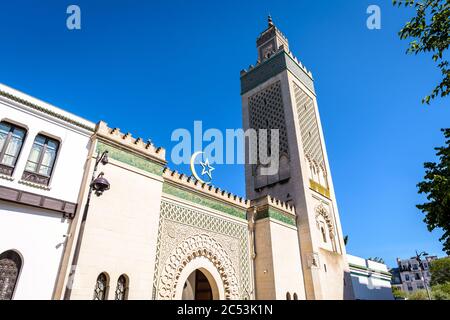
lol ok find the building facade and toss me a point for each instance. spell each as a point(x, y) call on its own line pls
point(410, 275)
point(371, 280)
point(42, 154)
point(122, 225)
point(175, 237)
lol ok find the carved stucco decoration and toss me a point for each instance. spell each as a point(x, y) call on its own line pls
point(200, 245)
point(181, 222)
point(322, 211)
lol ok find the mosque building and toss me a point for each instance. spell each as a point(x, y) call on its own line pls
point(90, 212)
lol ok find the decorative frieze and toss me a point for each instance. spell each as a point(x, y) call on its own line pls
point(269, 68)
point(208, 190)
point(36, 179)
point(6, 170)
point(130, 158)
point(204, 201)
point(269, 207)
point(319, 188)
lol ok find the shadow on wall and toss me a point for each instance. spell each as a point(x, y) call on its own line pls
point(363, 289)
point(348, 287)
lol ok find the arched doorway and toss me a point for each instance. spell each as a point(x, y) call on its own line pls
point(199, 252)
point(197, 287)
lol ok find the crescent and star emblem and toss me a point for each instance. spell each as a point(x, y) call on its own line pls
point(207, 169)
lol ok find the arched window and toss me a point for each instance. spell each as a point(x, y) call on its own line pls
point(101, 287)
point(288, 296)
point(122, 288)
point(295, 296)
point(10, 265)
point(11, 141)
point(324, 235)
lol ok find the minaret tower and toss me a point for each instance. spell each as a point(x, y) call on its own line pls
point(278, 93)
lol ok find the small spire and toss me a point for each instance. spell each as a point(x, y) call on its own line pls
point(270, 21)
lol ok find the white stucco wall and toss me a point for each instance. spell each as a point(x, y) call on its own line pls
point(278, 266)
point(37, 236)
point(287, 263)
point(120, 236)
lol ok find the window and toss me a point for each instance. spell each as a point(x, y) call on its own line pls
point(11, 141)
point(295, 296)
point(407, 277)
point(324, 235)
point(122, 288)
point(417, 276)
point(41, 160)
point(288, 296)
point(101, 287)
point(410, 288)
point(10, 265)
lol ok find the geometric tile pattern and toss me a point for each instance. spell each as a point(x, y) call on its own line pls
point(266, 111)
point(130, 158)
point(312, 145)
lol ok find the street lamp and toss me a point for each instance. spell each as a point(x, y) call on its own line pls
point(99, 185)
point(419, 260)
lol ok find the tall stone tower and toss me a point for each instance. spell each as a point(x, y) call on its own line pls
point(278, 93)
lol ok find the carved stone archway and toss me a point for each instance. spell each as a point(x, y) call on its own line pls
point(322, 211)
point(200, 245)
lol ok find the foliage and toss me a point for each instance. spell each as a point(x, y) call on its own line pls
point(440, 272)
point(438, 292)
point(436, 186)
point(398, 293)
point(441, 291)
point(418, 295)
point(430, 33)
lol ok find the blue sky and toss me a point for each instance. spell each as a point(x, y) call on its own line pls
point(150, 67)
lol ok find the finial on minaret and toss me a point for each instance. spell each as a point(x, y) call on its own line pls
point(270, 21)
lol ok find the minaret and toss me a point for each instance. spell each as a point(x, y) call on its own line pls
point(278, 93)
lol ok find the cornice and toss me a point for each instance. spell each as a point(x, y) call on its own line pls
point(44, 110)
